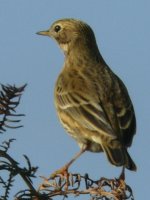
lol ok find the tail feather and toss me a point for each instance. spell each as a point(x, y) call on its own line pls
point(130, 163)
point(119, 157)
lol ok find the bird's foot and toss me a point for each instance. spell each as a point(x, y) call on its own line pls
point(63, 174)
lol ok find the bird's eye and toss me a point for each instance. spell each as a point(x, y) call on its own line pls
point(57, 28)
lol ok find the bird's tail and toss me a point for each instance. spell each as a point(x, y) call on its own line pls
point(119, 157)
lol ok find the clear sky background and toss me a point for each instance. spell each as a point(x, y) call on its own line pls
point(122, 29)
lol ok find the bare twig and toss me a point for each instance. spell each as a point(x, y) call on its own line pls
point(103, 189)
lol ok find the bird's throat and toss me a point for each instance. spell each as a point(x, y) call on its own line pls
point(64, 47)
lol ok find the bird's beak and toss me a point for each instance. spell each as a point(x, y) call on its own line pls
point(45, 33)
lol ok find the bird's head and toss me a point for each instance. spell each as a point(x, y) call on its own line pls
point(70, 32)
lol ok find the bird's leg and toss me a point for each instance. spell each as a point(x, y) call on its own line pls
point(75, 157)
point(64, 170)
point(122, 175)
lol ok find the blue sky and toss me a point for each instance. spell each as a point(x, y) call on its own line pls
point(122, 31)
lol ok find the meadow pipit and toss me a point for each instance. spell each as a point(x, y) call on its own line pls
point(92, 103)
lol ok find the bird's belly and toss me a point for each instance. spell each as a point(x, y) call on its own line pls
point(82, 135)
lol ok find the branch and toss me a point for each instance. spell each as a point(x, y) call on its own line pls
point(76, 184)
point(9, 100)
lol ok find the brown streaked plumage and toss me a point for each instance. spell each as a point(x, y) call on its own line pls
point(92, 103)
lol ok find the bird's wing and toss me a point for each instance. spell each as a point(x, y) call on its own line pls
point(110, 112)
point(87, 113)
point(124, 112)
point(119, 111)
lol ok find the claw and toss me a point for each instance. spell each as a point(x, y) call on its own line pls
point(63, 174)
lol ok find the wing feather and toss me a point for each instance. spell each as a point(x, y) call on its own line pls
point(124, 112)
point(88, 114)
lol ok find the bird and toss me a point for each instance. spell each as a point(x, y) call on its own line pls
point(92, 102)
